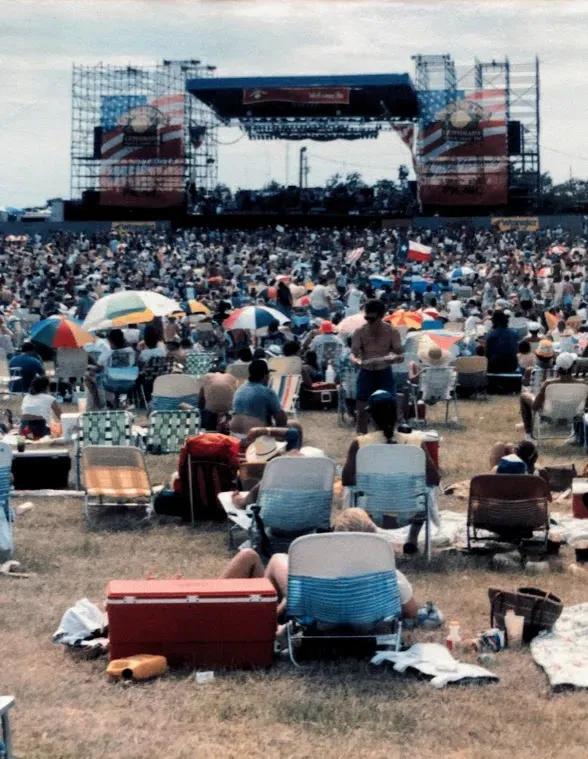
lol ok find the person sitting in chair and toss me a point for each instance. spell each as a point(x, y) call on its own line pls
point(38, 409)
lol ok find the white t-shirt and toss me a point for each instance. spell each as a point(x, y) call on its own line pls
point(147, 353)
point(105, 358)
point(38, 405)
point(454, 311)
point(132, 336)
point(318, 297)
point(354, 299)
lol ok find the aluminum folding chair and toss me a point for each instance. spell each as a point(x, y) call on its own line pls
point(563, 403)
point(169, 430)
point(172, 390)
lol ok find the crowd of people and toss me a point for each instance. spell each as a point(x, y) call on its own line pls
point(519, 299)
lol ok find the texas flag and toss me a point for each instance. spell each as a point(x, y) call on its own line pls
point(418, 252)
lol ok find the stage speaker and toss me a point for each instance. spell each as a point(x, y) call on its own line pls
point(514, 138)
point(97, 142)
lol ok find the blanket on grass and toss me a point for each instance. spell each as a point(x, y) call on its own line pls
point(563, 652)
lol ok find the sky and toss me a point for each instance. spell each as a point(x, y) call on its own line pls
point(41, 39)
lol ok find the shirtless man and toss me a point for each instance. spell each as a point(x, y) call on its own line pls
point(374, 348)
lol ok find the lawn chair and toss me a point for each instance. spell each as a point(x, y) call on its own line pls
point(71, 364)
point(512, 506)
point(120, 380)
point(102, 428)
point(346, 583)
point(8, 376)
point(287, 388)
point(472, 375)
point(6, 704)
point(115, 472)
point(155, 367)
point(295, 498)
point(207, 470)
point(6, 515)
point(171, 390)
point(169, 430)
point(563, 403)
point(437, 385)
point(538, 377)
point(391, 483)
point(198, 364)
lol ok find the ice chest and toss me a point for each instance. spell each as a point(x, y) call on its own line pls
point(202, 623)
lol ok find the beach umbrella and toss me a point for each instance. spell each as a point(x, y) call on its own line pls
point(558, 250)
point(254, 317)
point(402, 318)
point(351, 323)
point(60, 332)
point(128, 307)
point(462, 271)
point(442, 338)
point(377, 280)
point(269, 293)
point(430, 313)
point(544, 272)
point(194, 307)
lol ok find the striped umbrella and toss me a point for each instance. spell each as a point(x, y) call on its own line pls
point(60, 332)
point(253, 317)
point(351, 323)
point(403, 318)
point(430, 313)
point(128, 307)
point(269, 293)
point(194, 307)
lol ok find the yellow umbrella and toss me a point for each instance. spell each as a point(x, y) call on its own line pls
point(404, 318)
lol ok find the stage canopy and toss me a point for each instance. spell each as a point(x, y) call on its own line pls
point(310, 107)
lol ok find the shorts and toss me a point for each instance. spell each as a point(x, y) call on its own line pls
point(370, 381)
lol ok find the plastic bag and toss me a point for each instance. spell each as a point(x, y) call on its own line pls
point(80, 622)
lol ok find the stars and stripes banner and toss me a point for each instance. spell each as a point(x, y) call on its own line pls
point(354, 255)
point(462, 147)
point(418, 252)
point(407, 133)
point(142, 151)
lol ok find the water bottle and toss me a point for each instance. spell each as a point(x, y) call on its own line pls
point(330, 374)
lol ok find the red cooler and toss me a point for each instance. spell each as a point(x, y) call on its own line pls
point(202, 623)
point(431, 443)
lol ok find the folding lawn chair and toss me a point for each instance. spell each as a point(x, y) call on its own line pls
point(287, 388)
point(295, 498)
point(198, 364)
point(115, 472)
point(155, 367)
point(563, 403)
point(169, 430)
point(437, 385)
point(511, 506)
point(342, 587)
point(102, 428)
point(472, 375)
point(172, 390)
point(538, 377)
point(6, 515)
point(391, 483)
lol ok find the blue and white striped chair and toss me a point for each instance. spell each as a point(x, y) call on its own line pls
point(391, 481)
point(341, 585)
point(295, 498)
point(171, 390)
point(6, 513)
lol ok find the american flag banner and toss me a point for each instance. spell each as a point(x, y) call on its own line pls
point(354, 255)
point(142, 151)
point(406, 132)
point(462, 147)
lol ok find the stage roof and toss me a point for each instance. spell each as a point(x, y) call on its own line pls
point(363, 96)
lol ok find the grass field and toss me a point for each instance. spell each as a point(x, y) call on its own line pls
point(67, 709)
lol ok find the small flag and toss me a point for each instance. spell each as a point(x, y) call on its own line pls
point(354, 255)
point(418, 252)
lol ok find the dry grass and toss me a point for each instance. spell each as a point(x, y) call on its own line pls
point(67, 709)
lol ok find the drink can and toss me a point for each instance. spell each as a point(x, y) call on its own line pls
point(492, 640)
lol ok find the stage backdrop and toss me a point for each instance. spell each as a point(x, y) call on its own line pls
point(462, 148)
point(142, 153)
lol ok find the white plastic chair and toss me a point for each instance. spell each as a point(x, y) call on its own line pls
point(341, 580)
point(391, 480)
point(563, 403)
point(437, 384)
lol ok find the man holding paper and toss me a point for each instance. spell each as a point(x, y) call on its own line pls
point(374, 348)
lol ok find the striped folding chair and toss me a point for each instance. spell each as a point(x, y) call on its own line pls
point(172, 390)
point(392, 485)
point(102, 428)
point(287, 388)
point(169, 430)
point(115, 473)
point(340, 587)
point(6, 513)
point(198, 364)
point(295, 498)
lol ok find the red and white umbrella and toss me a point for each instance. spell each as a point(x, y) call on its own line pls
point(351, 323)
point(431, 312)
point(559, 250)
point(254, 317)
point(544, 272)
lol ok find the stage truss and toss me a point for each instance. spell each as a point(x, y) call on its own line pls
point(520, 82)
point(196, 168)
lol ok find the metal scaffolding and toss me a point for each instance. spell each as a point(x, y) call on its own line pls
point(157, 175)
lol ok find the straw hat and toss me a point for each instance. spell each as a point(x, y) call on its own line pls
point(263, 449)
point(434, 356)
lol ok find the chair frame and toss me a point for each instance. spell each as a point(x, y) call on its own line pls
point(292, 409)
point(79, 441)
point(540, 417)
point(451, 394)
point(188, 414)
point(479, 387)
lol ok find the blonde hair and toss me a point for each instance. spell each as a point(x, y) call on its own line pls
point(354, 520)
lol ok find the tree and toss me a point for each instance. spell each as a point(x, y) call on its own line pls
point(354, 181)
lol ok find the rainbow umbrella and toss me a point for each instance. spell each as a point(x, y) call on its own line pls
point(194, 307)
point(269, 293)
point(128, 307)
point(60, 332)
point(403, 318)
point(254, 317)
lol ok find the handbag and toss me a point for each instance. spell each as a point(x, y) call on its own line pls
point(541, 610)
point(560, 477)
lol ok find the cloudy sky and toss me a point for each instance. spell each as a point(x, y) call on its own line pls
point(40, 39)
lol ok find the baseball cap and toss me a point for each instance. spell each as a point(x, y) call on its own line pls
point(327, 328)
point(380, 398)
point(565, 361)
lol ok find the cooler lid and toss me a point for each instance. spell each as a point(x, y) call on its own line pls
point(192, 589)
